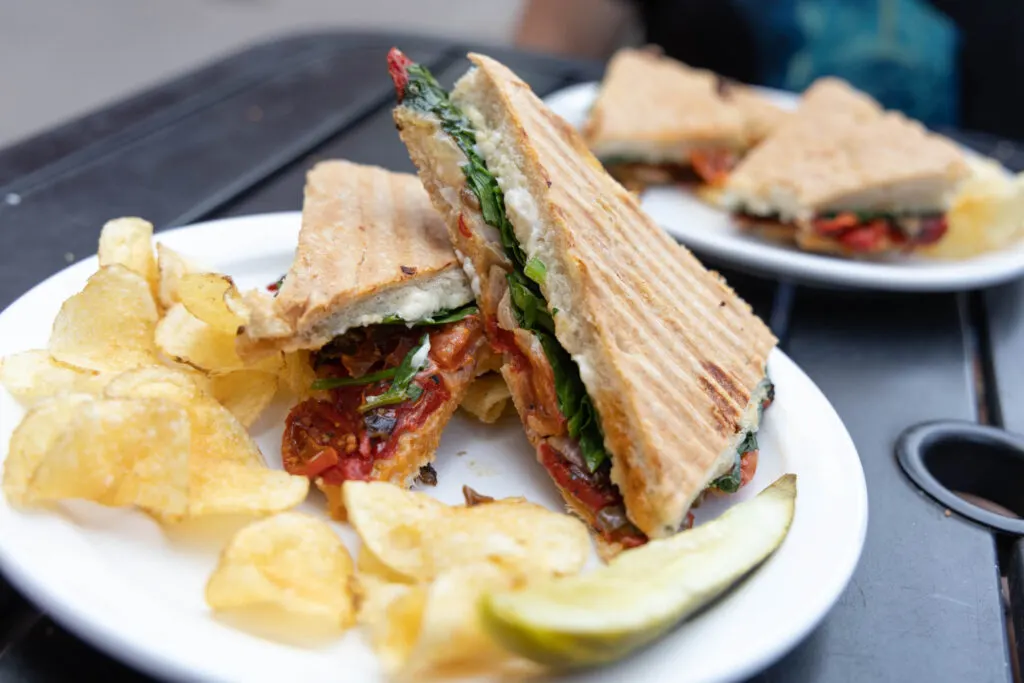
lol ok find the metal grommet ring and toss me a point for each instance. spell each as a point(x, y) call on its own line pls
point(970, 458)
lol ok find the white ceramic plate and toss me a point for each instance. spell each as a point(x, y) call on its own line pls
point(118, 580)
point(711, 232)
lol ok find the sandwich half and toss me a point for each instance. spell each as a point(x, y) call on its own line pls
point(377, 297)
point(656, 120)
point(845, 177)
point(639, 376)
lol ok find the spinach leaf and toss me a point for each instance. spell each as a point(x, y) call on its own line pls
point(424, 93)
point(335, 382)
point(536, 270)
point(402, 389)
point(730, 483)
point(440, 318)
point(528, 304)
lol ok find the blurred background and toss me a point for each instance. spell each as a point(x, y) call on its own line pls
point(947, 63)
point(63, 58)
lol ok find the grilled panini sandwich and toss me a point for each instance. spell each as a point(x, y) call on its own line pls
point(379, 299)
point(638, 375)
point(845, 177)
point(657, 120)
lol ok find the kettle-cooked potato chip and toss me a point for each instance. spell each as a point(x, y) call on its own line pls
point(246, 393)
point(129, 242)
point(32, 440)
point(297, 374)
point(420, 538)
point(227, 472)
point(434, 630)
point(291, 562)
point(221, 488)
point(31, 376)
point(188, 340)
point(172, 267)
point(212, 298)
point(116, 453)
point(391, 522)
point(486, 398)
point(521, 537)
point(109, 325)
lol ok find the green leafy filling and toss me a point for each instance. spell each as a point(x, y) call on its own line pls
point(440, 318)
point(423, 93)
point(868, 216)
point(334, 382)
point(402, 389)
point(730, 483)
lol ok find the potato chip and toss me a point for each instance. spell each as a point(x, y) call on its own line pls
point(129, 242)
point(434, 629)
point(486, 398)
point(246, 393)
point(986, 213)
point(297, 373)
point(227, 471)
point(172, 268)
point(392, 614)
point(420, 538)
point(222, 488)
point(31, 376)
point(519, 536)
point(32, 439)
point(370, 565)
point(187, 339)
point(390, 521)
point(206, 296)
point(116, 453)
point(292, 562)
point(109, 325)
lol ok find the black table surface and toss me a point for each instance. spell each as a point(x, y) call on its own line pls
point(236, 137)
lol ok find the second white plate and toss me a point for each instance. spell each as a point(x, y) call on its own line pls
point(712, 233)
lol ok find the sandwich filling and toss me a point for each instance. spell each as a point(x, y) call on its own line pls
point(374, 385)
point(555, 407)
point(709, 166)
point(866, 232)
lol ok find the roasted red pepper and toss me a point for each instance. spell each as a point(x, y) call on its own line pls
point(398, 65)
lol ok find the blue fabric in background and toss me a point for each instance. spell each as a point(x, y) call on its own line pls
point(902, 52)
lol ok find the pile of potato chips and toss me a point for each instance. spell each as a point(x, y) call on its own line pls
point(424, 566)
point(140, 399)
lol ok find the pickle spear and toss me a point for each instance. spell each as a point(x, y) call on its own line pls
point(640, 595)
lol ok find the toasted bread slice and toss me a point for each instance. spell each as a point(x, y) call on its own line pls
point(371, 245)
point(657, 110)
point(840, 152)
point(672, 359)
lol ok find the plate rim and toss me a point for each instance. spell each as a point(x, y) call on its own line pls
point(163, 662)
point(755, 255)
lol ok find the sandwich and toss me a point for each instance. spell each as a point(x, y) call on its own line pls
point(656, 120)
point(377, 300)
point(639, 376)
point(848, 178)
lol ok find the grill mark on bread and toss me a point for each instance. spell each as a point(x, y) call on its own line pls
point(723, 411)
point(722, 378)
point(668, 279)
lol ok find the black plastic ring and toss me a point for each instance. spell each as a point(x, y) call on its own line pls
point(916, 443)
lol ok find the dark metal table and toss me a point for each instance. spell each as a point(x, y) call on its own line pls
point(237, 137)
